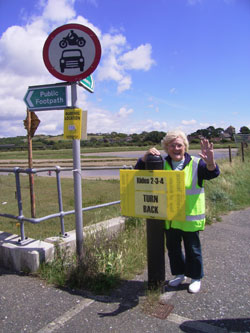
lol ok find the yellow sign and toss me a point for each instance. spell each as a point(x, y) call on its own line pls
point(72, 123)
point(154, 194)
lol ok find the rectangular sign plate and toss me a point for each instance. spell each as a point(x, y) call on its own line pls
point(154, 194)
point(50, 97)
point(72, 124)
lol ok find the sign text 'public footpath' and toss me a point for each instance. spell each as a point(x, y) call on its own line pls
point(46, 97)
point(153, 194)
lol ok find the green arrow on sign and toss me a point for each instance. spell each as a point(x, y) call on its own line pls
point(87, 83)
point(50, 97)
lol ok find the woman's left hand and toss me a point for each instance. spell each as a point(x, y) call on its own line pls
point(207, 154)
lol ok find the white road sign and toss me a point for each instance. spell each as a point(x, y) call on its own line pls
point(72, 52)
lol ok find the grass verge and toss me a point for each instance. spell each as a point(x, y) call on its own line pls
point(107, 260)
point(231, 190)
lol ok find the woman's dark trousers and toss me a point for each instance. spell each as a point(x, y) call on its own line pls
point(191, 264)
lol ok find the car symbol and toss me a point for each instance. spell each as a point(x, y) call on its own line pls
point(72, 59)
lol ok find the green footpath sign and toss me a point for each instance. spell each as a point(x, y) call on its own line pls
point(50, 97)
point(87, 83)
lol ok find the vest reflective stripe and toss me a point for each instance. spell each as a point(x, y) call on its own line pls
point(194, 189)
point(195, 217)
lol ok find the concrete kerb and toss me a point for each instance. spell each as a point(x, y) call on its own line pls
point(68, 243)
point(25, 257)
point(29, 256)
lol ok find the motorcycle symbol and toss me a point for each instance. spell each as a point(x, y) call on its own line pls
point(72, 39)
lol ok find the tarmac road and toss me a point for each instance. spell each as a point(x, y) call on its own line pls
point(115, 174)
point(223, 305)
point(218, 153)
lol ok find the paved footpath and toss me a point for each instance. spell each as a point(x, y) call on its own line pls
point(223, 305)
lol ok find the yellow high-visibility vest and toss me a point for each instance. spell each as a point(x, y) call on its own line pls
point(195, 200)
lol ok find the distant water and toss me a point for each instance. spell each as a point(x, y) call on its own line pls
point(219, 154)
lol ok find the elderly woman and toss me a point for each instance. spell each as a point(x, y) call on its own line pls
point(196, 170)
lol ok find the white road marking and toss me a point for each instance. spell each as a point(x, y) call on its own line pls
point(195, 324)
point(60, 321)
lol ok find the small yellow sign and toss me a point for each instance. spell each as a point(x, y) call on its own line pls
point(154, 194)
point(72, 124)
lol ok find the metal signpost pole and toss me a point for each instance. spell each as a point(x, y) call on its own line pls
point(58, 58)
point(77, 184)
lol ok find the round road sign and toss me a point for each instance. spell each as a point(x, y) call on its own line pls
point(72, 52)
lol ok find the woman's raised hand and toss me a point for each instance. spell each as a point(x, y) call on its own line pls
point(207, 154)
point(152, 151)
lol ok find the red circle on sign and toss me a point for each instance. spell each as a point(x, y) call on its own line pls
point(51, 50)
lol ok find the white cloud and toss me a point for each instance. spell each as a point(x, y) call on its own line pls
point(204, 125)
point(109, 69)
point(139, 58)
point(124, 84)
point(82, 20)
point(10, 108)
point(59, 10)
point(21, 50)
point(189, 122)
point(152, 125)
point(123, 112)
point(115, 63)
point(113, 44)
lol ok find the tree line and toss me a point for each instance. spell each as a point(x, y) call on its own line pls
point(118, 139)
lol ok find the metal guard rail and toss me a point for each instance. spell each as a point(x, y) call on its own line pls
point(21, 218)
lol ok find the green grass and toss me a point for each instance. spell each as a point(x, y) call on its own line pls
point(61, 153)
point(37, 154)
point(231, 190)
point(94, 192)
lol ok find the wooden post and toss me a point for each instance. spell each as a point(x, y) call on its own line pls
point(155, 237)
point(230, 154)
point(242, 151)
point(30, 162)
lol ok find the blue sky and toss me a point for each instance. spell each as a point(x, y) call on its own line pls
point(165, 64)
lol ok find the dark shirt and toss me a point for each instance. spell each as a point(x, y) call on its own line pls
point(203, 172)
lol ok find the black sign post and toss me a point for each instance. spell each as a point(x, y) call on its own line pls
point(155, 237)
